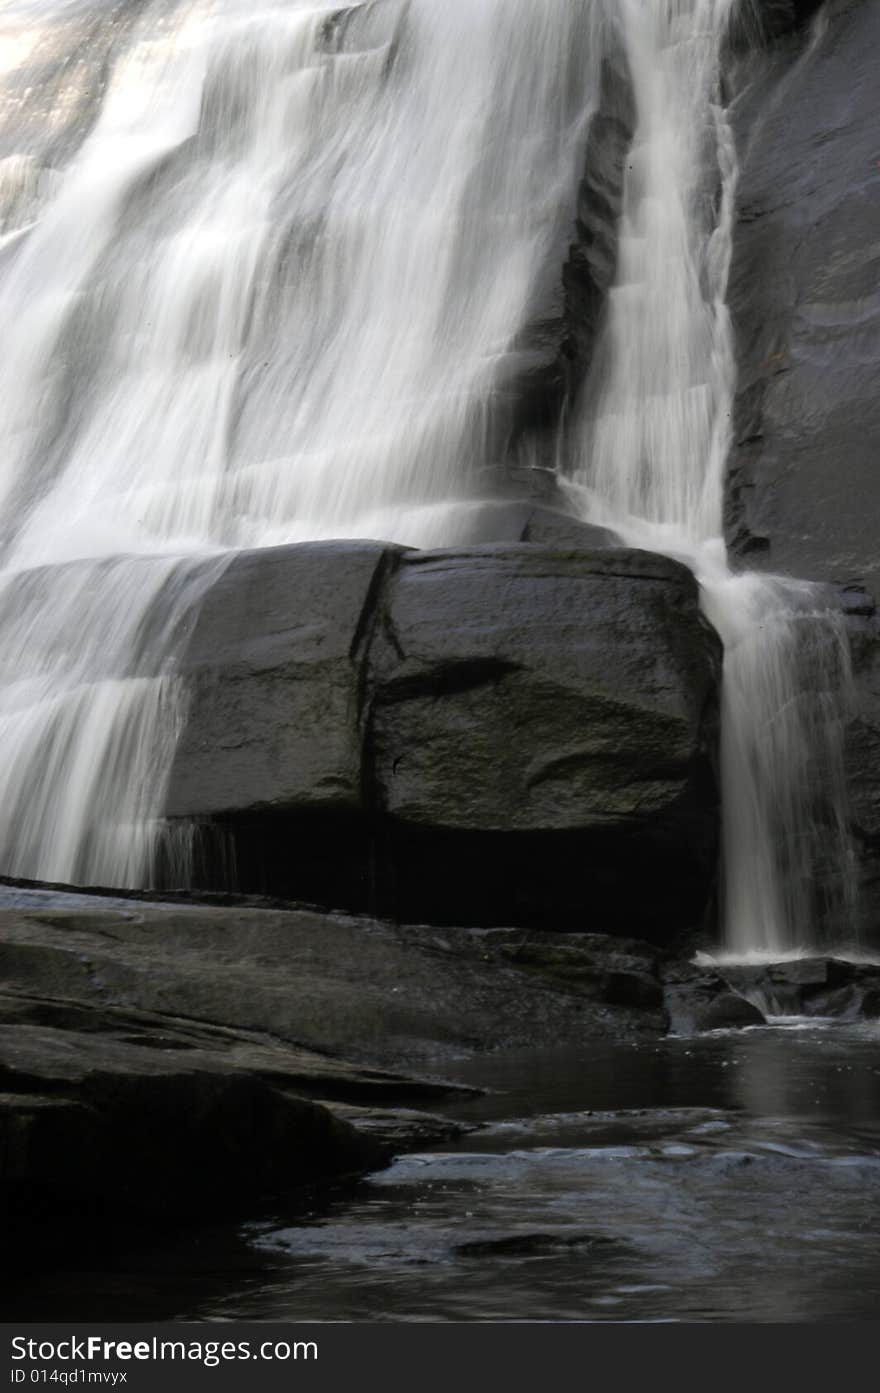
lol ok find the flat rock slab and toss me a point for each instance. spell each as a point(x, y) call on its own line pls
point(179, 1060)
point(350, 988)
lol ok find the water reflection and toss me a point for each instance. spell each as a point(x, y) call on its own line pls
point(735, 1177)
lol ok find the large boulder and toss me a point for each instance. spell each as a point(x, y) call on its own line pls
point(274, 673)
point(268, 776)
point(541, 733)
point(538, 717)
point(805, 306)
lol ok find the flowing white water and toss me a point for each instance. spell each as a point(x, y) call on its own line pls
point(651, 451)
point(263, 269)
point(263, 288)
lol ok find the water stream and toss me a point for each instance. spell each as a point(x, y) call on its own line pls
point(650, 450)
point(263, 273)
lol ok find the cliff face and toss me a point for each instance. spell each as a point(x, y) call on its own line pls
point(806, 304)
point(385, 760)
point(803, 485)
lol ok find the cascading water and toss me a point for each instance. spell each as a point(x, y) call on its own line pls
point(262, 276)
point(650, 454)
point(263, 290)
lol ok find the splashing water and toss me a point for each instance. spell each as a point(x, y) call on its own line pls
point(651, 447)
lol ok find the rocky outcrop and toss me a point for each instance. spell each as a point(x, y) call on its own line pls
point(591, 267)
point(503, 734)
point(862, 757)
point(175, 1061)
point(770, 19)
point(275, 674)
point(551, 360)
point(697, 999)
point(102, 1111)
point(332, 988)
point(811, 987)
point(802, 495)
point(805, 304)
point(540, 722)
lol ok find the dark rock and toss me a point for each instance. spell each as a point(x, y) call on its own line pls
point(621, 972)
point(539, 715)
point(802, 492)
point(329, 988)
point(549, 361)
point(135, 1113)
point(402, 1128)
point(810, 987)
point(770, 19)
point(275, 671)
point(592, 263)
point(698, 1000)
point(509, 521)
point(542, 723)
point(805, 305)
point(519, 503)
point(862, 761)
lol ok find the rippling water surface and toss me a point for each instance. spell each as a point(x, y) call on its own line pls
point(730, 1178)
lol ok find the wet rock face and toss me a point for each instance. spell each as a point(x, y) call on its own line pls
point(698, 999)
point(540, 726)
point(592, 261)
point(109, 1110)
point(274, 672)
point(169, 1061)
point(773, 18)
point(804, 300)
point(862, 756)
point(803, 472)
point(511, 733)
point(811, 987)
point(556, 347)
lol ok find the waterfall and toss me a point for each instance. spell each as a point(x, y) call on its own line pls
point(650, 449)
point(264, 275)
point(263, 287)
